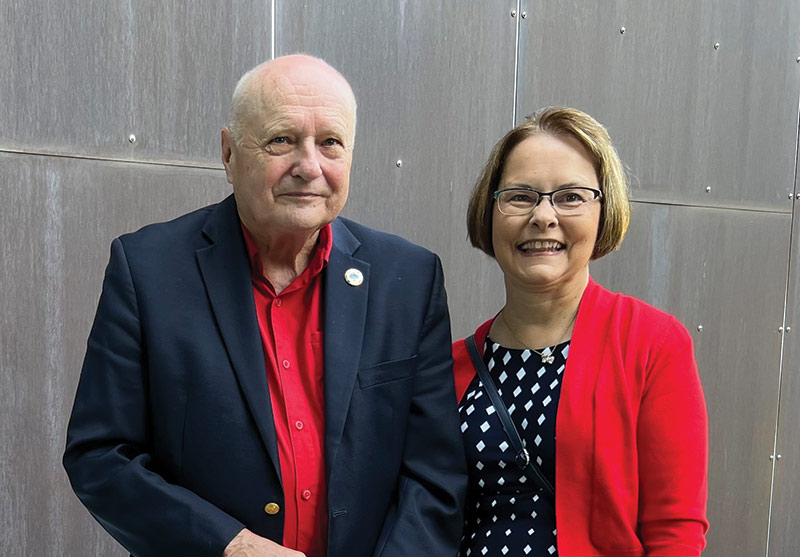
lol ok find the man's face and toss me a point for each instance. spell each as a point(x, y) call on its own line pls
point(290, 169)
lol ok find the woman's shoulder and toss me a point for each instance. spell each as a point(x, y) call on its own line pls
point(463, 370)
point(603, 300)
point(630, 313)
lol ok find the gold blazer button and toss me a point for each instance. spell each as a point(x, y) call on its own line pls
point(272, 508)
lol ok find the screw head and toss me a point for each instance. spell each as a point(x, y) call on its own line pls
point(791, 195)
point(798, 59)
point(399, 163)
point(716, 46)
point(524, 15)
point(132, 138)
point(699, 328)
point(621, 30)
point(513, 13)
point(708, 189)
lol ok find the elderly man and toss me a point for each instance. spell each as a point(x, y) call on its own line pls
point(264, 378)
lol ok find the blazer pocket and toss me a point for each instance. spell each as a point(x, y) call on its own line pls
point(386, 372)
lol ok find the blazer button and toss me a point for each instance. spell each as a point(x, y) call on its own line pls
point(272, 508)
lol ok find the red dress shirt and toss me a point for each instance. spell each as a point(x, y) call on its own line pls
point(291, 334)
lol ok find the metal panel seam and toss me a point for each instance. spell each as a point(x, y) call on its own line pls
point(516, 64)
point(272, 30)
point(783, 334)
point(78, 156)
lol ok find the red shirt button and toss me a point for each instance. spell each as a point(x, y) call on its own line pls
point(298, 424)
point(278, 302)
point(306, 495)
point(286, 364)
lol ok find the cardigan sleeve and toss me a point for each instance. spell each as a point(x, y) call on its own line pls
point(672, 441)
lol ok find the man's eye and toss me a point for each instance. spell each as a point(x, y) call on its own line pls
point(280, 140)
point(331, 142)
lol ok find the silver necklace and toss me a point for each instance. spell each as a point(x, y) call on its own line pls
point(547, 354)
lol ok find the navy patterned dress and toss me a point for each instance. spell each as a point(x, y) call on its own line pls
point(507, 513)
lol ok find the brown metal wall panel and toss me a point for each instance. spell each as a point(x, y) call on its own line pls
point(686, 116)
point(59, 217)
point(81, 77)
point(784, 540)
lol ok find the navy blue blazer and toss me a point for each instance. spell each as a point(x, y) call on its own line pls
point(171, 443)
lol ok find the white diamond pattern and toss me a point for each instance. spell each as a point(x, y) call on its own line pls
point(527, 519)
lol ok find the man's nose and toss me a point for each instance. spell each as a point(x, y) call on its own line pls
point(307, 166)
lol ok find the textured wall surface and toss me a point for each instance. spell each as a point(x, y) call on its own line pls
point(701, 99)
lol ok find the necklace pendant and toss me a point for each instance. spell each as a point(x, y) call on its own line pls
point(547, 358)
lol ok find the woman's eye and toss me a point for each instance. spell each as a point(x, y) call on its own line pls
point(570, 197)
point(280, 140)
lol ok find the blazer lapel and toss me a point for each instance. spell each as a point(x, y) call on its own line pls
point(345, 317)
point(226, 273)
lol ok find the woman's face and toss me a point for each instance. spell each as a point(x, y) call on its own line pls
point(543, 250)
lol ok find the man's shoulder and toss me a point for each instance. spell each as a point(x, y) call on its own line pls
point(177, 229)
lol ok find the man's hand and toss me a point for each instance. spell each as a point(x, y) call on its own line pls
point(248, 544)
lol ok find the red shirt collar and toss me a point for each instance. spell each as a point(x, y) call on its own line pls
point(319, 259)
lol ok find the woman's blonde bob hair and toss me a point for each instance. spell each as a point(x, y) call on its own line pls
point(570, 122)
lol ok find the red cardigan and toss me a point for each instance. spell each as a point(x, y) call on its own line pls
point(631, 432)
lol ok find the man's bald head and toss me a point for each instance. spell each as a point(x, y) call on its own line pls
point(266, 83)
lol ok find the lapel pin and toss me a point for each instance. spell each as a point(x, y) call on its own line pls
point(353, 277)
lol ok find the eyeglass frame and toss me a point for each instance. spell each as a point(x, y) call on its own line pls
point(598, 194)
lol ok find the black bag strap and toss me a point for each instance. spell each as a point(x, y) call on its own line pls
point(523, 459)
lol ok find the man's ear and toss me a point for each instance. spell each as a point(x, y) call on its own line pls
point(226, 144)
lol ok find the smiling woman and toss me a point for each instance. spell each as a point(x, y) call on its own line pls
point(545, 248)
point(596, 446)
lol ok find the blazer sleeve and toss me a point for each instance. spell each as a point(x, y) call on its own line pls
point(427, 515)
point(108, 455)
point(672, 438)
